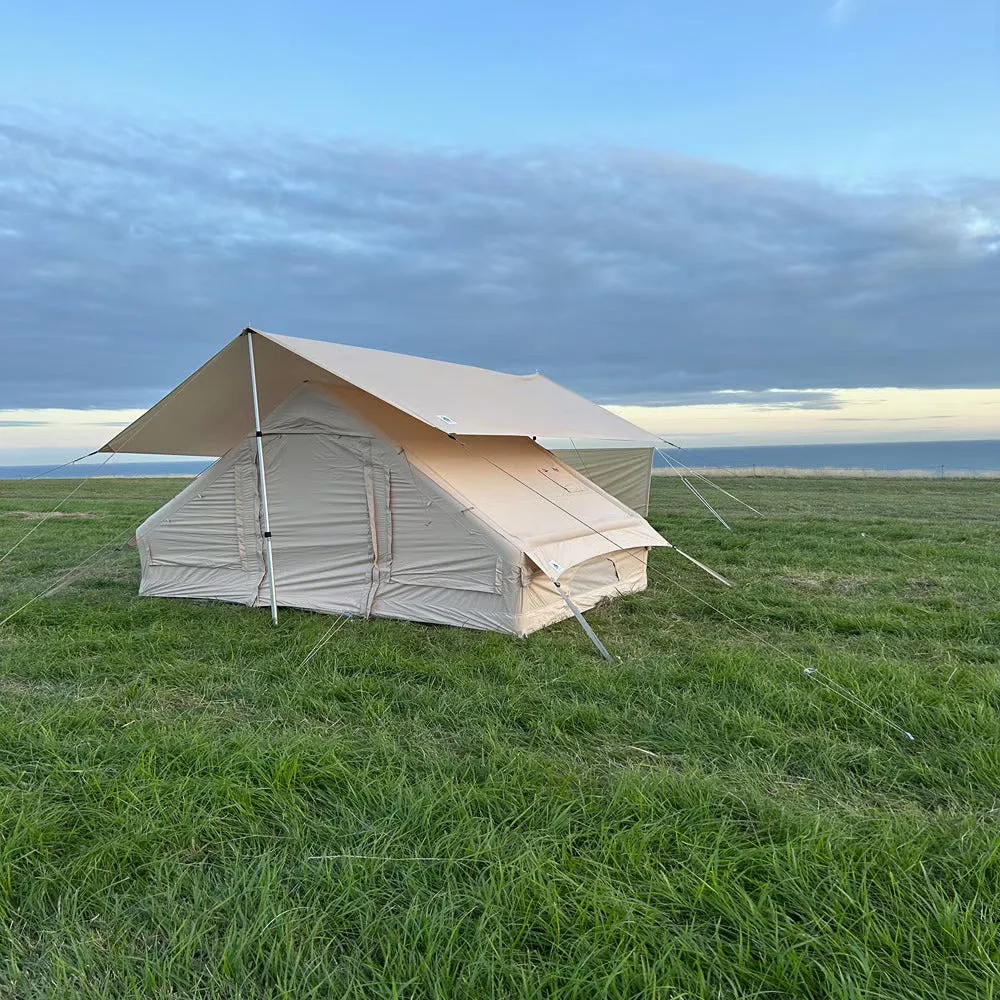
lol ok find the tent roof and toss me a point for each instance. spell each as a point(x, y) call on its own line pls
point(210, 411)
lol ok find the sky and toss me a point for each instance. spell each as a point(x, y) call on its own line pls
point(737, 221)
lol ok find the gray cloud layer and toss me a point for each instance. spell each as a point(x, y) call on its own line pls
point(128, 256)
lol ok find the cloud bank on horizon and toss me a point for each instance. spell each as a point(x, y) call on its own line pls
point(129, 253)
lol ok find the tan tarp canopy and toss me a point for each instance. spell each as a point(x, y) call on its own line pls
point(376, 510)
point(209, 412)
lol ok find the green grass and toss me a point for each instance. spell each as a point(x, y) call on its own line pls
point(185, 811)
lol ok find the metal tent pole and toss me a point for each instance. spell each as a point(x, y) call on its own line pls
point(263, 479)
point(584, 624)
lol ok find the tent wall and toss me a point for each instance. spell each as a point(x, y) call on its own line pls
point(374, 513)
point(625, 473)
point(356, 529)
point(206, 541)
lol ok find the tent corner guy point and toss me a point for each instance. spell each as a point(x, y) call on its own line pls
point(362, 482)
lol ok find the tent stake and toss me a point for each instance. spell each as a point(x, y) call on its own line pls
point(584, 624)
point(263, 479)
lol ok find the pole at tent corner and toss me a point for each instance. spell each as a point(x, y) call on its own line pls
point(584, 624)
point(263, 478)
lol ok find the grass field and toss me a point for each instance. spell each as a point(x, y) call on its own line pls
point(187, 811)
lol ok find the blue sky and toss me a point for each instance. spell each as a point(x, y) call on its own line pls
point(655, 202)
point(846, 89)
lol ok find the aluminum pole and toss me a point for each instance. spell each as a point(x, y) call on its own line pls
point(584, 624)
point(263, 480)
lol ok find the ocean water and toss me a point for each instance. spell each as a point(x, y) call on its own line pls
point(84, 470)
point(938, 457)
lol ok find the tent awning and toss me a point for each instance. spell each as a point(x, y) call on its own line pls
point(210, 411)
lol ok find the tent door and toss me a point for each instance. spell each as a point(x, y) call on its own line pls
point(320, 522)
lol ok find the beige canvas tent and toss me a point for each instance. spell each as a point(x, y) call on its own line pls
point(370, 483)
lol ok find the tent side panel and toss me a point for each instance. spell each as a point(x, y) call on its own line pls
point(205, 543)
point(431, 547)
point(625, 473)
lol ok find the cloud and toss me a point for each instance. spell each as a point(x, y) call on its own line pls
point(129, 254)
point(874, 414)
point(771, 399)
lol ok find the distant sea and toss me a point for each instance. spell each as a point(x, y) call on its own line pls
point(119, 470)
point(941, 457)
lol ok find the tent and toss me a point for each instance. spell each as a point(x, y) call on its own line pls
point(365, 482)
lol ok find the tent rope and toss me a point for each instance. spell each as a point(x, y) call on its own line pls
point(54, 510)
point(56, 468)
point(671, 459)
point(66, 577)
point(694, 490)
point(888, 548)
point(846, 693)
point(697, 474)
point(111, 454)
point(807, 671)
point(579, 455)
point(338, 624)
